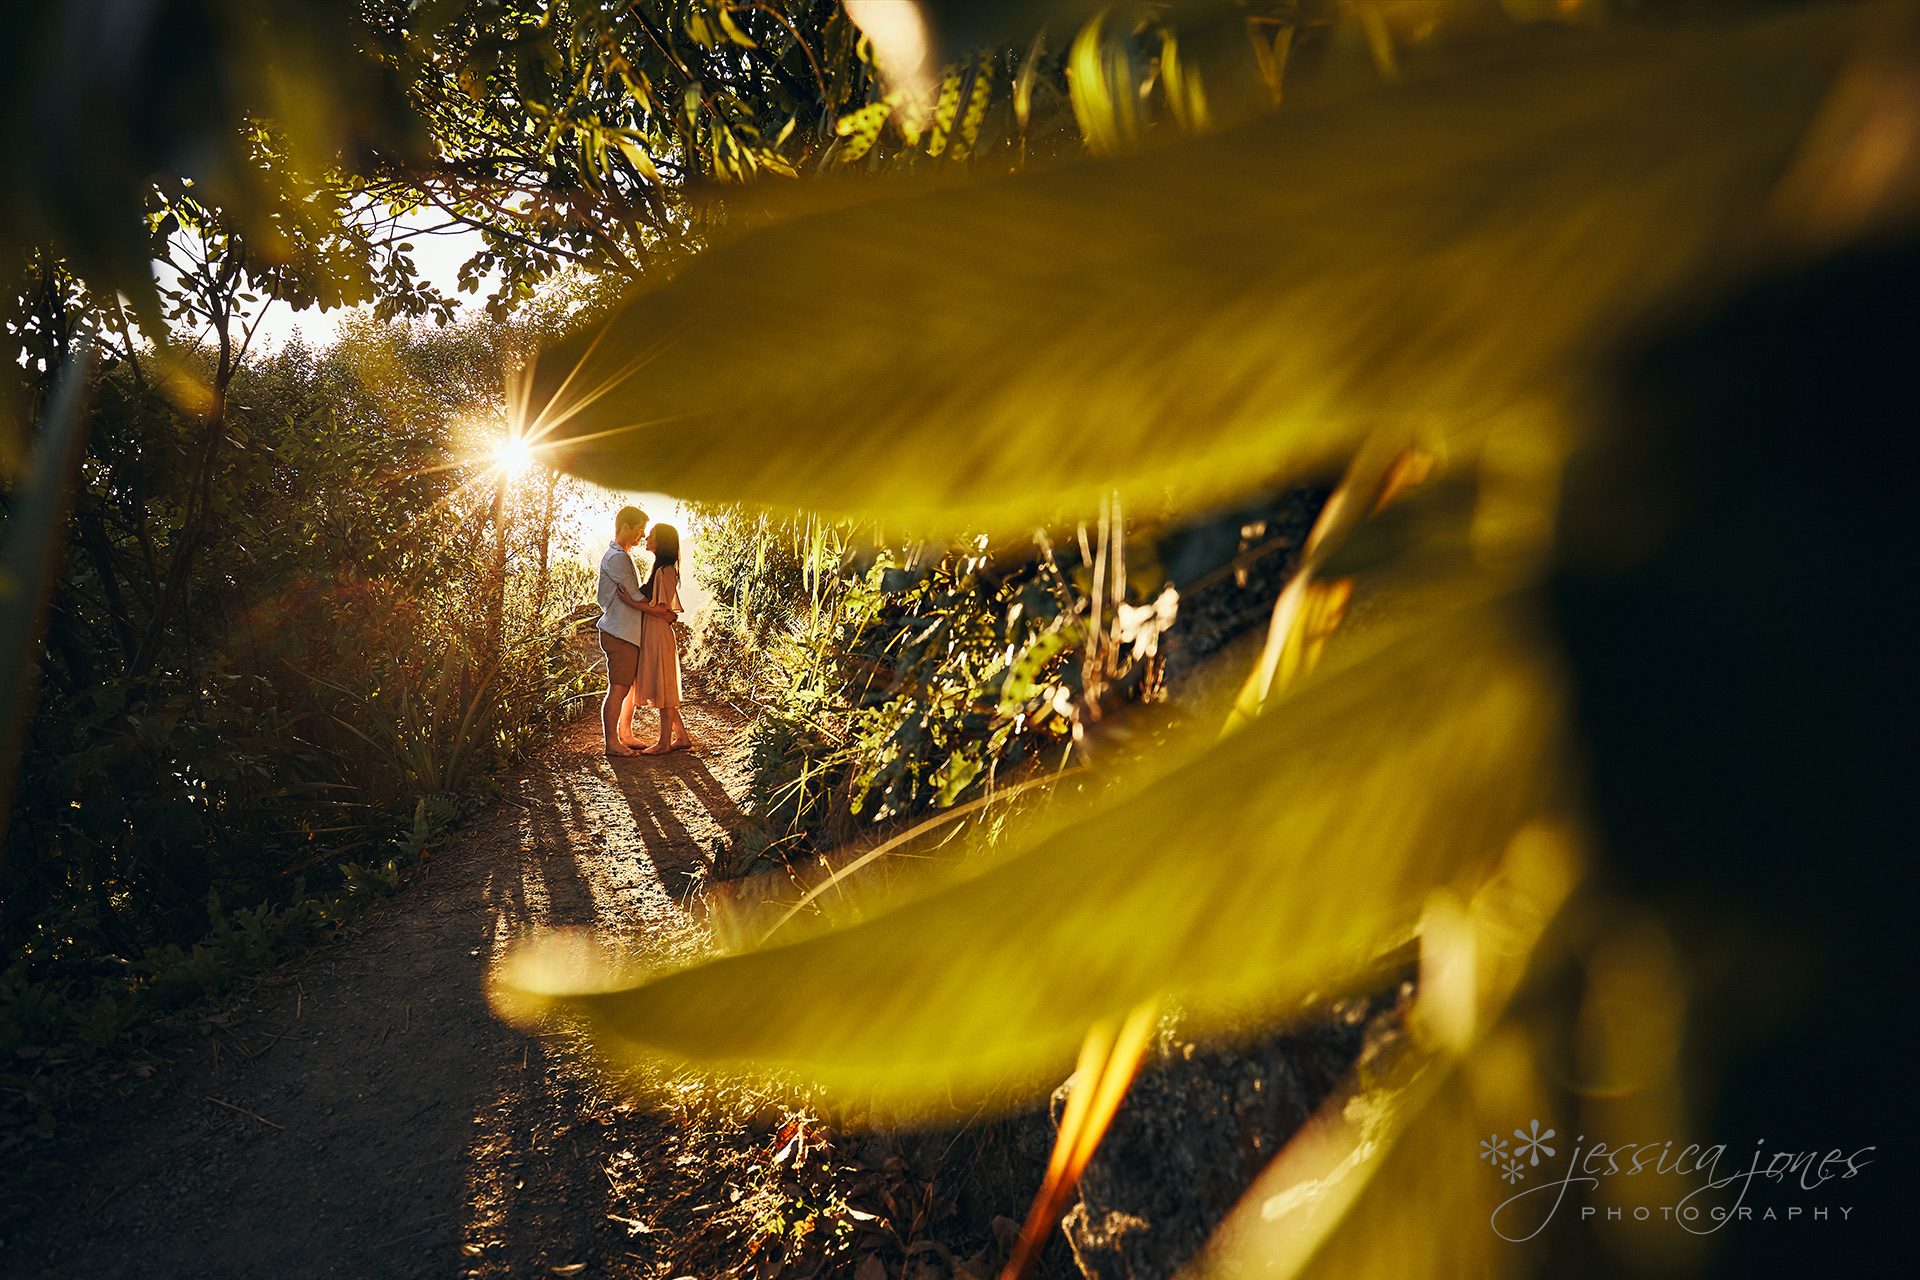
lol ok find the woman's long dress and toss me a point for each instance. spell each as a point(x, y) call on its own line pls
point(658, 684)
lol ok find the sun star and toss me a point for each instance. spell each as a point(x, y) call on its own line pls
point(514, 457)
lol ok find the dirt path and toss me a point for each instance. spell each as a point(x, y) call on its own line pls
point(374, 1119)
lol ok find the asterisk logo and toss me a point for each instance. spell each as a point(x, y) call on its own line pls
point(1532, 1145)
point(1512, 1171)
point(1493, 1148)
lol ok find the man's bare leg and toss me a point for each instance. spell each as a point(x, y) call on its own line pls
point(628, 738)
point(619, 699)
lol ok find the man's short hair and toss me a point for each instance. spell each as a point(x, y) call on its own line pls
point(627, 516)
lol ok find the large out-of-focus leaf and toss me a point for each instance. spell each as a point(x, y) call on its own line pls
point(100, 104)
point(955, 29)
point(1283, 862)
point(1382, 1184)
point(247, 106)
point(1385, 1180)
point(1191, 321)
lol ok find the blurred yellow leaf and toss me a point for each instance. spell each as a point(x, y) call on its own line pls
point(1106, 97)
point(1280, 865)
point(1380, 1182)
point(1386, 1179)
point(1232, 311)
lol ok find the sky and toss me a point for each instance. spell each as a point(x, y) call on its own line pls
point(438, 257)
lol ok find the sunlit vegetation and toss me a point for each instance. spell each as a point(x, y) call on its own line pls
point(893, 683)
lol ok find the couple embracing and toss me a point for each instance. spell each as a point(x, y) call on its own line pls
point(636, 634)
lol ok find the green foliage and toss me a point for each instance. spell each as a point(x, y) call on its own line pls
point(749, 563)
point(634, 113)
point(432, 712)
point(906, 676)
point(894, 682)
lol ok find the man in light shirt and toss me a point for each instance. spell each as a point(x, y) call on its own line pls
point(621, 611)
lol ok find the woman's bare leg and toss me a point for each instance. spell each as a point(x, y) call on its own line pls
point(662, 746)
point(673, 733)
point(681, 738)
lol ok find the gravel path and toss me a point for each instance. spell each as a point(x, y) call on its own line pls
point(361, 1113)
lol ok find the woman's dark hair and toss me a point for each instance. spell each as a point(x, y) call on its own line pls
point(666, 551)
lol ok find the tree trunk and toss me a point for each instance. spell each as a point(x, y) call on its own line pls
point(546, 545)
point(93, 539)
point(497, 583)
point(192, 531)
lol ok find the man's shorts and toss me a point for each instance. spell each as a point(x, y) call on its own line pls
point(623, 659)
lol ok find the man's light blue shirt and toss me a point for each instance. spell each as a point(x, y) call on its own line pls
point(617, 618)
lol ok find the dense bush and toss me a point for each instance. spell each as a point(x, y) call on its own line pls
point(275, 659)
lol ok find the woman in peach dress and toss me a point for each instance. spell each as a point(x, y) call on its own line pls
point(658, 682)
